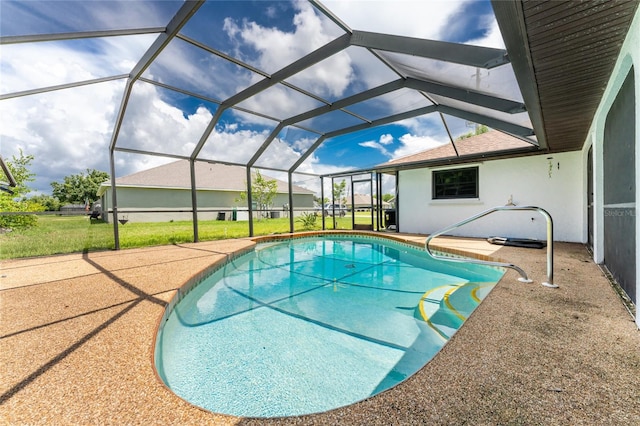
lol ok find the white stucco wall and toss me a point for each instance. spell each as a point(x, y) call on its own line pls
point(528, 180)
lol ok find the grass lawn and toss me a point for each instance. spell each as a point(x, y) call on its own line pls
point(74, 234)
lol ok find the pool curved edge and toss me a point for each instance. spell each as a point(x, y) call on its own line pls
point(379, 235)
point(198, 277)
point(180, 293)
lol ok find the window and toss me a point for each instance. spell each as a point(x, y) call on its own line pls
point(456, 183)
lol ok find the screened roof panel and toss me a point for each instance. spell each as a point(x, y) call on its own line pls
point(158, 121)
point(521, 119)
point(390, 103)
point(21, 17)
point(377, 145)
point(499, 81)
point(459, 127)
point(54, 63)
point(186, 66)
point(280, 102)
point(236, 137)
point(70, 131)
point(265, 34)
point(287, 147)
point(418, 18)
point(331, 121)
point(343, 74)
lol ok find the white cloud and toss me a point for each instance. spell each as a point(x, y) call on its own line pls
point(492, 38)
point(151, 124)
point(411, 18)
point(66, 131)
point(386, 139)
point(28, 66)
point(411, 144)
point(277, 48)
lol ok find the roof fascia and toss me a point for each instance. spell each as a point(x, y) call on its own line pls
point(511, 22)
point(451, 161)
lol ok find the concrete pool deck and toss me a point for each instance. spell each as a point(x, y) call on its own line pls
point(76, 334)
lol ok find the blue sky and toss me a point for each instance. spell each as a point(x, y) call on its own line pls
point(70, 130)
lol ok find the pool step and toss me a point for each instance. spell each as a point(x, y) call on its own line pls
point(446, 307)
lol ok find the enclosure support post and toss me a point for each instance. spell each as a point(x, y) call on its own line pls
point(249, 201)
point(114, 199)
point(194, 200)
point(291, 228)
point(371, 192)
point(397, 203)
point(322, 201)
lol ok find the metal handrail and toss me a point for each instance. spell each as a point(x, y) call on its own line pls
point(523, 275)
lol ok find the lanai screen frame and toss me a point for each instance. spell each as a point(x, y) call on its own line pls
point(375, 43)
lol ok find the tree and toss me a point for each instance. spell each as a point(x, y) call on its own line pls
point(17, 202)
point(50, 204)
point(79, 188)
point(263, 191)
point(387, 197)
point(478, 131)
point(339, 190)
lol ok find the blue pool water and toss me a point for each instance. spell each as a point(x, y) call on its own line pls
point(307, 325)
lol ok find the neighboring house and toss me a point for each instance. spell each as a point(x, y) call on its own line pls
point(432, 197)
point(168, 188)
point(363, 202)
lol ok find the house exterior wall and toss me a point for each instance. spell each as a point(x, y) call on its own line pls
point(628, 60)
point(552, 182)
point(176, 204)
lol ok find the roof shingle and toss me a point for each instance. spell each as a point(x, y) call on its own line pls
point(211, 176)
point(491, 141)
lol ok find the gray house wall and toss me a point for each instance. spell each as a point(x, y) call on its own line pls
point(137, 204)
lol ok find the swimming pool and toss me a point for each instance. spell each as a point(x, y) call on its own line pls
point(310, 324)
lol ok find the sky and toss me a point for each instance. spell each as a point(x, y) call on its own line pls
point(69, 131)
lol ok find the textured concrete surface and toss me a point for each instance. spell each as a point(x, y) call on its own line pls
point(76, 335)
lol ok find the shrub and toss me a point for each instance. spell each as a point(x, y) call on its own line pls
point(308, 220)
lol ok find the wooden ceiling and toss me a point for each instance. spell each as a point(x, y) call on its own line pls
point(563, 53)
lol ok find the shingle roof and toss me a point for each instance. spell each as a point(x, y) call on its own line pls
point(209, 176)
point(491, 141)
point(363, 200)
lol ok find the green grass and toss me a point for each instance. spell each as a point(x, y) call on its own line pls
point(75, 234)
